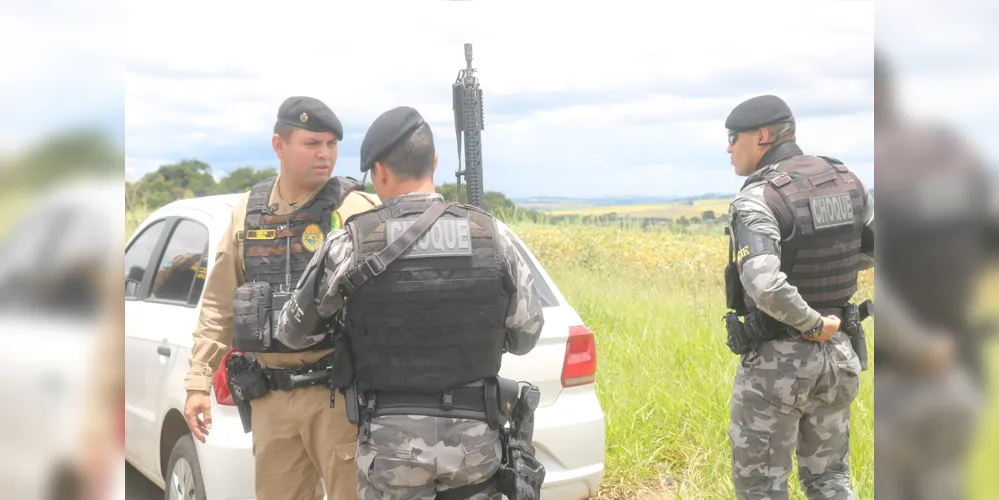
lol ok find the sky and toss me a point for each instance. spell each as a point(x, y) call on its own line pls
point(581, 100)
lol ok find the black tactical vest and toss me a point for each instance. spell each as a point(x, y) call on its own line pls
point(266, 236)
point(819, 205)
point(434, 319)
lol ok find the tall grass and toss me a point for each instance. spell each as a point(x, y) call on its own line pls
point(655, 302)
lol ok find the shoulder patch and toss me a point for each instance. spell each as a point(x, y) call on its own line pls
point(335, 220)
point(831, 211)
point(312, 238)
point(749, 243)
point(446, 238)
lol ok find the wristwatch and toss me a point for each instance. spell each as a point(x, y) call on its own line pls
point(814, 332)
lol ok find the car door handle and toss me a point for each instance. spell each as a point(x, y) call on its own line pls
point(163, 350)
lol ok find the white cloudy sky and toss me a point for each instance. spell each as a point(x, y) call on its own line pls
point(582, 99)
point(579, 101)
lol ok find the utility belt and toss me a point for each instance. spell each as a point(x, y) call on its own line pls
point(758, 327)
point(248, 380)
point(494, 400)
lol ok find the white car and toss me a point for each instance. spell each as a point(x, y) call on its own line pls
point(159, 319)
point(52, 261)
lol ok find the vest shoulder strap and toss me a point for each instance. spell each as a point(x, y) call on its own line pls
point(256, 204)
point(260, 195)
point(336, 190)
point(375, 264)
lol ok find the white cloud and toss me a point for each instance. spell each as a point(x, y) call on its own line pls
point(659, 84)
point(944, 57)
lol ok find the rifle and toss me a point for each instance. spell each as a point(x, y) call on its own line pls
point(467, 106)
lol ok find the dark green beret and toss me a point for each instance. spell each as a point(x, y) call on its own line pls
point(310, 114)
point(385, 132)
point(758, 112)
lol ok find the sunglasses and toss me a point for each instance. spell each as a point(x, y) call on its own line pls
point(732, 136)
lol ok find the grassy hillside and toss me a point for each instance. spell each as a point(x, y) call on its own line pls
point(673, 210)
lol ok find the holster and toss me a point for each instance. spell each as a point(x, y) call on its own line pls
point(738, 340)
point(246, 383)
point(521, 475)
point(852, 325)
point(252, 314)
point(501, 399)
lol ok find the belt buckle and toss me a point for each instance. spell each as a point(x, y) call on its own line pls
point(374, 262)
point(448, 400)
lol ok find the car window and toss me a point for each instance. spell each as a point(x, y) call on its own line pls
point(137, 256)
point(547, 296)
point(179, 269)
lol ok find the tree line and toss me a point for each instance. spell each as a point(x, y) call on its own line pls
point(192, 178)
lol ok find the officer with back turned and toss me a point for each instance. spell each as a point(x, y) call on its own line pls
point(802, 227)
point(431, 295)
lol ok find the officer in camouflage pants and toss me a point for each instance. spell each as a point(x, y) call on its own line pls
point(425, 333)
point(799, 240)
point(401, 458)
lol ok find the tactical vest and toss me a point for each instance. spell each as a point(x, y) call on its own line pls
point(819, 204)
point(266, 237)
point(434, 319)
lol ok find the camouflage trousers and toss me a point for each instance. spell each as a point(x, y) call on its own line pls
point(924, 426)
point(414, 457)
point(793, 397)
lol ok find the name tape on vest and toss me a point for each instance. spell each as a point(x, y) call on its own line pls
point(446, 238)
point(831, 211)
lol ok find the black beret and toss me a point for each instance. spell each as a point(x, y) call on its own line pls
point(310, 114)
point(758, 112)
point(385, 132)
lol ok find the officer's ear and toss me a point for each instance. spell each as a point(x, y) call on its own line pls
point(763, 136)
point(434, 168)
point(278, 146)
point(382, 177)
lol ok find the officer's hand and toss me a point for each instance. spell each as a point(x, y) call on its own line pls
point(198, 403)
point(830, 325)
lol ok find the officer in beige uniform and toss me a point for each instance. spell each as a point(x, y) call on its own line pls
point(299, 441)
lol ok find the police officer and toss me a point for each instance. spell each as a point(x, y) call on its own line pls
point(427, 324)
point(801, 229)
point(940, 224)
point(299, 442)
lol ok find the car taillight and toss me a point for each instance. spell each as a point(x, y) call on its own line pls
point(580, 364)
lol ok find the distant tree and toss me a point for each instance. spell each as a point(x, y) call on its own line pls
point(186, 179)
point(708, 215)
point(695, 220)
point(683, 221)
point(242, 179)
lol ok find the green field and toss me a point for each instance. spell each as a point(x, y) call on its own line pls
point(674, 210)
point(664, 376)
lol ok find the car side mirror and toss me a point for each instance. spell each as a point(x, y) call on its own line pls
point(132, 287)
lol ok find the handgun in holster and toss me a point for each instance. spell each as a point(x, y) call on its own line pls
point(246, 383)
point(521, 474)
point(853, 317)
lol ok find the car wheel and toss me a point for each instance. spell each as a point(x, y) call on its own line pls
point(183, 478)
